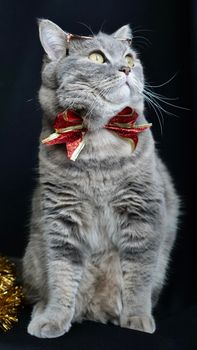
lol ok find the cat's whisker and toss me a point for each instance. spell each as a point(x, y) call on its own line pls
point(146, 41)
point(101, 27)
point(93, 104)
point(91, 89)
point(159, 95)
point(100, 93)
point(164, 99)
point(140, 30)
point(163, 84)
point(152, 103)
point(88, 27)
point(155, 101)
point(157, 111)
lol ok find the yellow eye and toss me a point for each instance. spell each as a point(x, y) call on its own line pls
point(130, 60)
point(97, 57)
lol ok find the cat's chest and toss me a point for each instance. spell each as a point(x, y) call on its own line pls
point(104, 143)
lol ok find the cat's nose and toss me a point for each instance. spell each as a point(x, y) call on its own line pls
point(125, 70)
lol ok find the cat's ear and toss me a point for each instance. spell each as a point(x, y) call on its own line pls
point(53, 39)
point(123, 33)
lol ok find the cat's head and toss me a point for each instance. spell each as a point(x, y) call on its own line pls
point(99, 76)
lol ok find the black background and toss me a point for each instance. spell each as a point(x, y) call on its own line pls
point(165, 33)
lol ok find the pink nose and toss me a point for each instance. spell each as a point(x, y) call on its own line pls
point(125, 70)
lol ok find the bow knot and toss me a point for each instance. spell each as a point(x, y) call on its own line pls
point(69, 129)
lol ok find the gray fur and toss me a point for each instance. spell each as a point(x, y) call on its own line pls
point(102, 227)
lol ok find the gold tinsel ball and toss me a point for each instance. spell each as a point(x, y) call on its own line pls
point(11, 295)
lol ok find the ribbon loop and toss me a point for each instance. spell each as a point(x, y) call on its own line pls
point(69, 129)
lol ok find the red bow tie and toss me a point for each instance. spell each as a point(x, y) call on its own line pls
point(69, 129)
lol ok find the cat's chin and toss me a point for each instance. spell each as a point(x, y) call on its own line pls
point(122, 96)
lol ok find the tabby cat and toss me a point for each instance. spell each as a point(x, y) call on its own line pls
point(103, 224)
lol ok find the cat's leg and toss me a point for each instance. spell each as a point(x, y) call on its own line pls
point(64, 265)
point(138, 248)
point(162, 265)
point(32, 274)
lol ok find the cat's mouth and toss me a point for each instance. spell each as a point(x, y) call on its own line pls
point(127, 83)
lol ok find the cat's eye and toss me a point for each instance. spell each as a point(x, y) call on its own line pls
point(97, 57)
point(129, 60)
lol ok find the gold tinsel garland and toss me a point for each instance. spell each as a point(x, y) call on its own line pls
point(11, 295)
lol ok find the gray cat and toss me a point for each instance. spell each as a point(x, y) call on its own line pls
point(102, 226)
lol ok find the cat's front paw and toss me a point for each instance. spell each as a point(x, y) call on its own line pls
point(49, 324)
point(144, 323)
